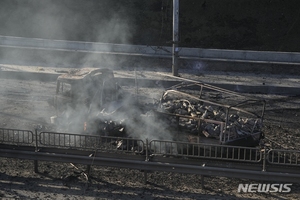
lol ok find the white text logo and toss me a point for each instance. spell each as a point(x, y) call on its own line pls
point(262, 187)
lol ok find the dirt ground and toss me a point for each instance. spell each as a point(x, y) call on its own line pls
point(23, 105)
point(63, 181)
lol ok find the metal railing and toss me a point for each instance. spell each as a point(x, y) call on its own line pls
point(16, 136)
point(67, 140)
point(210, 151)
point(248, 165)
point(292, 58)
point(90, 142)
point(121, 144)
point(284, 157)
point(154, 148)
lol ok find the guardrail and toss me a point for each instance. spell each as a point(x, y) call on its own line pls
point(154, 51)
point(153, 148)
point(89, 142)
point(15, 136)
point(284, 157)
point(210, 151)
point(67, 140)
point(248, 162)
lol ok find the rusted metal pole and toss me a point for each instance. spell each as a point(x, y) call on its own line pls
point(175, 37)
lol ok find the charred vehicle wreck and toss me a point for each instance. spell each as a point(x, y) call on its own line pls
point(208, 114)
point(191, 112)
point(83, 93)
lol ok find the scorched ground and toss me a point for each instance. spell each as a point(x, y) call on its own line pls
point(23, 105)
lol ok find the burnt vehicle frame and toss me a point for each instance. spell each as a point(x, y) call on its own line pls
point(80, 86)
point(81, 92)
point(240, 123)
point(226, 117)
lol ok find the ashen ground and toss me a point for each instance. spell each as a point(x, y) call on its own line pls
point(23, 105)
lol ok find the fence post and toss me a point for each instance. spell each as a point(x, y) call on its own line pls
point(88, 170)
point(264, 159)
point(36, 170)
point(147, 159)
point(202, 182)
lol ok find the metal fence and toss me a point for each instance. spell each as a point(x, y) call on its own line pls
point(210, 151)
point(16, 136)
point(90, 142)
point(154, 148)
point(284, 157)
point(67, 140)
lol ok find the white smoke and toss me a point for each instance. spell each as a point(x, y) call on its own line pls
point(61, 20)
point(90, 21)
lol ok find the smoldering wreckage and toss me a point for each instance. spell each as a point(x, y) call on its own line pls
point(89, 101)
